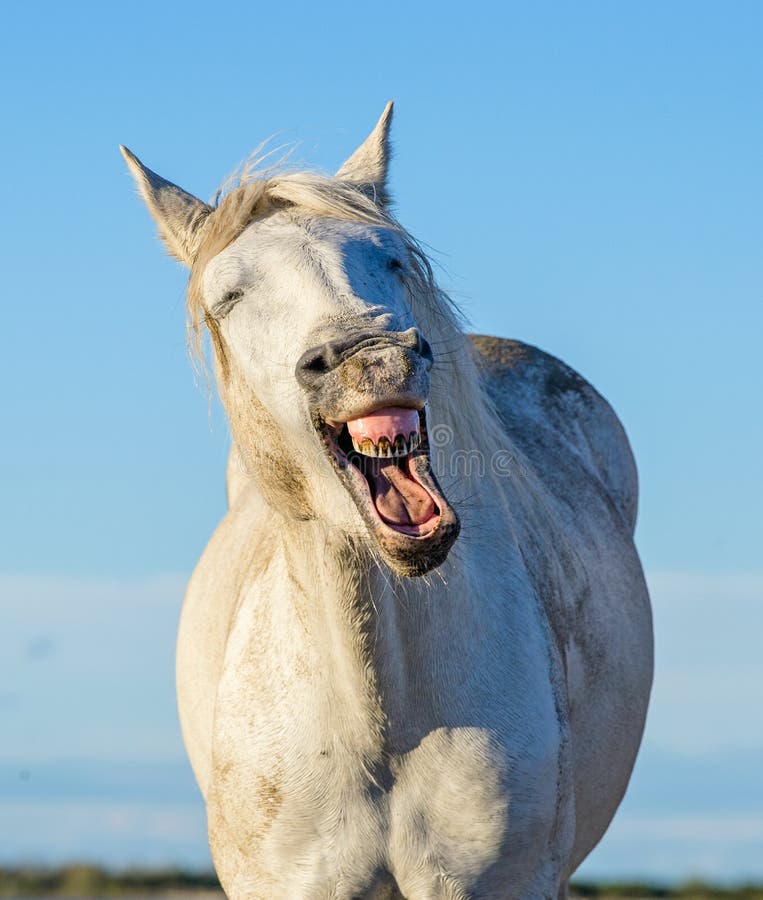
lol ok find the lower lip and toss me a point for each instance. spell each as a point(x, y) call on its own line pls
point(421, 531)
point(425, 529)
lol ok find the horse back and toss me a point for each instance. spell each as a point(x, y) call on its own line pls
point(549, 409)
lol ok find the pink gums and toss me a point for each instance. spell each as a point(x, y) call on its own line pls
point(389, 423)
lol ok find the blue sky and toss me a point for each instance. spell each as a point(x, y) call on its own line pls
point(589, 178)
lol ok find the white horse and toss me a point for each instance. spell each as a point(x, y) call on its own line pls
point(374, 706)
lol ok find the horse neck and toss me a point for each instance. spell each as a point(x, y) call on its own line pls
point(380, 633)
point(325, 588)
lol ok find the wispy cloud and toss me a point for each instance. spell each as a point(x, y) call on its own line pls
point(92, 764)
point(669, 847)
point(708, 690)
point(117, 834)
point(87, 668)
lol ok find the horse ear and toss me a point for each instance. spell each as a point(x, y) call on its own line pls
point(179, 215)
point(368, 165)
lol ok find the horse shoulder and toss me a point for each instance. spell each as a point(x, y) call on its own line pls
point(211, 600)
point(581, 559)
point(541, 399)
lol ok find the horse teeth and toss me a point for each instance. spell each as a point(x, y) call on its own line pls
point(385, 448)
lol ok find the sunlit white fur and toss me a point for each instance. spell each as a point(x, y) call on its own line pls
point(467, 734)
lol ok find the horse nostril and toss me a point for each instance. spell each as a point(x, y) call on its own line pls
point(414, 340)
point(314, 364)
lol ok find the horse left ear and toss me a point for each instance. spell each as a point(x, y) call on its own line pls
point(178, 214)
point(367, 167)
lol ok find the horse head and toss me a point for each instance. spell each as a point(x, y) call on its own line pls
point(307, 286)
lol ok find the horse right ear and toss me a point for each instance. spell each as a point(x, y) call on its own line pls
point(369, 164)
point(178, 214)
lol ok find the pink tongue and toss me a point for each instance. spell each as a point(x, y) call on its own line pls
point(399, 499)
point(389, 422)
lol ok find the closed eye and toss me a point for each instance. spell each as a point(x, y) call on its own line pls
point(221, 309)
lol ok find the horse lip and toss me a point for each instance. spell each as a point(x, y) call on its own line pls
point(407, 402)
point(341, 399)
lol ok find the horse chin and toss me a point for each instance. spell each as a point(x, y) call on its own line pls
point(409, 548)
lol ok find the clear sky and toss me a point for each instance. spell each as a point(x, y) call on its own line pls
point(590, 179)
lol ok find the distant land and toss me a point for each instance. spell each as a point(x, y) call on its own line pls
point(84, 882)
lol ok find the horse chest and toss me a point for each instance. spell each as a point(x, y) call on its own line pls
point(303, 823)
point(317, 792)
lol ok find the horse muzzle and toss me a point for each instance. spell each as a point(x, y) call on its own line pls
point(367, 370)
point(367, 397)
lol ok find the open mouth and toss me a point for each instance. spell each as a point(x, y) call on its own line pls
point(383, 444)
point(383, 459)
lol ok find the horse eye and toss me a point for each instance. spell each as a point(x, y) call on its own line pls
point(224, 306)
point(395, 265)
